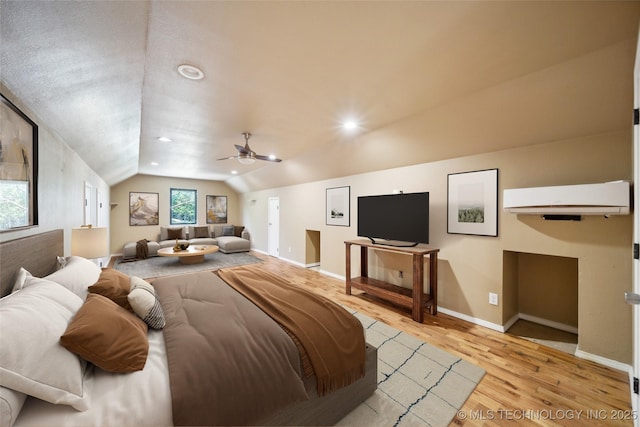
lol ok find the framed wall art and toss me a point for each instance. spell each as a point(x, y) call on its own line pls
point(18, 168)
point(216, 209)
point(338, 206)
point(472, 203)
point(143, 208)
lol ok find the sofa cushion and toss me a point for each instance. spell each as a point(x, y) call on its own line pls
point(130, 249)
point(198, 231)
point(237, 230)
point(228, 230)
point(230, 244)
point(174, 233)
point(170, 233)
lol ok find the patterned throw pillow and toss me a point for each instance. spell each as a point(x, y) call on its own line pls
point(228, 230)
point(145, 304)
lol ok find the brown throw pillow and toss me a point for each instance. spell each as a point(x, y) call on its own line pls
point(174, 233)
point(201, 231)
point(237, 230)
point(113, 285)
point(107, 335)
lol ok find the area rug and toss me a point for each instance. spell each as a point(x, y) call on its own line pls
point(164, 266)
point(418, 384)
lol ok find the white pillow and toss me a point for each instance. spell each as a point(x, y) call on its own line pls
point(11, 402)
point(77, 275)
point(32, 360)
point(145, 304)
point(21, 277)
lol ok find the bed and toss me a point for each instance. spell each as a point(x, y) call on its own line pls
point(164, 367)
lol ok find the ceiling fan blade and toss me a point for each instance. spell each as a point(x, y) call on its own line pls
point(228, 158)
point(243, 150)
point(267, 158)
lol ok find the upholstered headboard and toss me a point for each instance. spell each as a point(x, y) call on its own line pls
point(35, 253)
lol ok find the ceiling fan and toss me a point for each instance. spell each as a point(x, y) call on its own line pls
point(246, 155)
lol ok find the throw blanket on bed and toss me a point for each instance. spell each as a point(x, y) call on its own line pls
point(229, 363)
point(332, 338)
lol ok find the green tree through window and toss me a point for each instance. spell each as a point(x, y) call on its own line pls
point(14, 199)
point(183, 206)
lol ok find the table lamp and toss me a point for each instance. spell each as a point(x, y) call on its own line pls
point(89, 242)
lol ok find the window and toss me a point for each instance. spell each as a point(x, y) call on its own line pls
point(183, 206)
point(14, 197)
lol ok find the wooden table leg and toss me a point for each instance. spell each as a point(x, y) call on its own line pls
point(418, 288)
point(433, 282)
point(348, 268)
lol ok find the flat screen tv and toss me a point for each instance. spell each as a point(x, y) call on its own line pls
point(394, 219)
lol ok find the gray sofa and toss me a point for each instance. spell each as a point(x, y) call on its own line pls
point(228, 238)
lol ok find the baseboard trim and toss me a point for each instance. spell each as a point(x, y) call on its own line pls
point(471, 319)
point(549, 323)
point(503, 328)
point(614, 364)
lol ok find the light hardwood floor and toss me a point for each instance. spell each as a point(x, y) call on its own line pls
point(526, 383)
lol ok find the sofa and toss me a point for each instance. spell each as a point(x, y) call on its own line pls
point(228, 238)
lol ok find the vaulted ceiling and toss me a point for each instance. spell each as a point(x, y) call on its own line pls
point(103, 75)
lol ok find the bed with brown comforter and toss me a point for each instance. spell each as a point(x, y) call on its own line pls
point(244, 347)
point(239, 365)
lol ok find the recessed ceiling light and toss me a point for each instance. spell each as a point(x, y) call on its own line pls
point(190, 72)
point(350, 125)
point(154, 163)
point(164, 139)
point(234, 172)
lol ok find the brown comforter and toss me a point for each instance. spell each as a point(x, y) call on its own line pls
point(230, 363)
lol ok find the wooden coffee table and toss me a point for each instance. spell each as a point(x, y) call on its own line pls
point(192, 255)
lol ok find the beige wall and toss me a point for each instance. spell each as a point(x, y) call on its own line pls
point(547, 288)
point(122, 232)
point(472, 266)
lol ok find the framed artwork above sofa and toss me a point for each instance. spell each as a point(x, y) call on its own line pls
point(143, 208)
point(216, 209)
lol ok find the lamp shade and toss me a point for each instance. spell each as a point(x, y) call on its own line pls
point(89, 242)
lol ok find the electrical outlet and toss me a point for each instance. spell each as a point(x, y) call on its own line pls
point(400, 274)
point(493, 298)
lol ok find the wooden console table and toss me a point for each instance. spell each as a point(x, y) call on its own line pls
point(415, 298)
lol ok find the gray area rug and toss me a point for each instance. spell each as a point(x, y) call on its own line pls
point(418, 384)
point(164, 266)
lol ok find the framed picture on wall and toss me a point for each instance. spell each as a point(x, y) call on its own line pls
point(472, 203)
point(143, 208)
point(216, 209)
point(18, 168)
point(338, 206)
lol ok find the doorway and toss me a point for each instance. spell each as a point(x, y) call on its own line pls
point(273, 236)
point(89, 211)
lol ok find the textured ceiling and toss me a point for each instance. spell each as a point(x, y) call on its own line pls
point(103, 75)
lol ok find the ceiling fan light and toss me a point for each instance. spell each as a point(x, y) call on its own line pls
point(246, 159)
